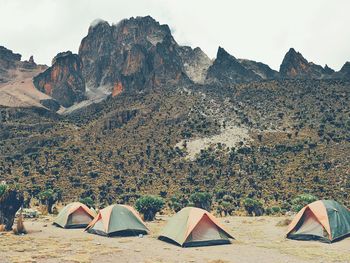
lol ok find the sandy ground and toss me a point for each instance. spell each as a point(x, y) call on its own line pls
point(257, 240)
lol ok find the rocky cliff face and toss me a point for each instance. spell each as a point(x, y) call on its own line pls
point(131, 55)
point(16, 83)
point(295, 66)
point(63, 80)
point(226, 69)
point(260, 69)
point(139, 53)
point(8, 61)
point(344, 72)
point(196, 63)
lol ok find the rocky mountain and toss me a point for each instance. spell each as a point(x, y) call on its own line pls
point(226, 69)
point(172, 122)
point(139, 54)
point(295, 66)
point(16, 85)
point(344, 72)
point(195, 62)
point(8, 61)
point(260, 69)
point(63, 81)
point(134, 54)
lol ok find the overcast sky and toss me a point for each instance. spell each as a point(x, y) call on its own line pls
point(261, 30)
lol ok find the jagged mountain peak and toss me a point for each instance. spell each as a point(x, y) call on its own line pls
point(8, 55)
point(223, 54)
point(63, 80)
point(328, 70)
point(226, 69)
point(346, 67)
point(132, 54)
point(295, 66)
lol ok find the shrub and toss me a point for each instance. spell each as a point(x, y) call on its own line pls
point(201, 200)
point(302, 200)
point(3, 188)
point(49, 197)
point(273, 210)
point(253, 206)
point(11, 199)
point(87, 201)
point(177, 203)
point(149, 205)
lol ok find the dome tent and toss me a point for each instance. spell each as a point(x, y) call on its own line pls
point(117, 220)
point(194, 227)
point(324, 220)
point(74, 215)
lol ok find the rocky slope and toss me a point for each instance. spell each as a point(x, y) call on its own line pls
point(196, 63)
point(175, 123)
point(63, 81)
point(344, 72)
point(226, 69)
point(260, 69)
point(16, 85)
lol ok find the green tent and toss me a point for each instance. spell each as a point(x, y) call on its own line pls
point(74, 215)
point(194, 227)
point(324, 220)
point(117, 220)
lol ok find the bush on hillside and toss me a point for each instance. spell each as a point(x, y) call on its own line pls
point(302, 200)
point(253, 206)
point(177, 203)
point(148, 206)
point(274, 210)
point(49, 197)
point(201, 200)
point(3, 188)
point(226, 205)
point(11, 199)
point(87, 201)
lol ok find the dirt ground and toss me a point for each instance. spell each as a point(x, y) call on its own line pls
point(256, 240)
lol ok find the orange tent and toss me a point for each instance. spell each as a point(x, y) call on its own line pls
point(194, 227)
point(324, 220)
point(117, 220)
point(74, 215)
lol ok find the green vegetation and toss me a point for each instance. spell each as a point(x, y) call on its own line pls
point(148, 206)
point(11, 199)
point(302, 200)
point(125, 147)
point(176, 203)
point(253, 206)
point(3, 188)
point(87, 201)
point(49, 197)
point(201, 200)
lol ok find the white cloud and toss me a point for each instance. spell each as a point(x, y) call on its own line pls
point(259, 30)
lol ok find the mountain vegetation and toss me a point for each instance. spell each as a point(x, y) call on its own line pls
point(277, 134)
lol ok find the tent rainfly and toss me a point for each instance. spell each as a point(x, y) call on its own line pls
point(74, 215)
point(323, 220)
point(116, 220)
point(194, 227)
